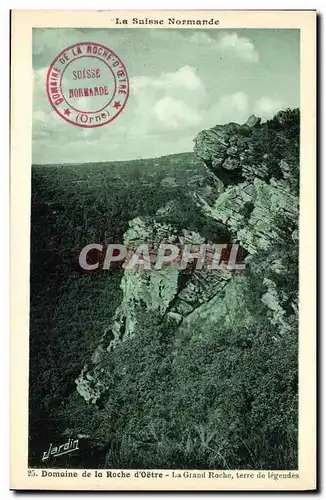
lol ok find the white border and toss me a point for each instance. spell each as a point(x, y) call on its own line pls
point(82, 4)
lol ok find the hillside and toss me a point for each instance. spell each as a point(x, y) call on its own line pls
point(206, 377)
point(73, 205)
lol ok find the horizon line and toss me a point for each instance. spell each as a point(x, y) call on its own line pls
point(112, 161)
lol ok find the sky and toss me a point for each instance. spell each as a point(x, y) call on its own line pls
point(181, 82)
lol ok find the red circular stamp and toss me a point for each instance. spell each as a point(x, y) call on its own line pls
point(87, 84)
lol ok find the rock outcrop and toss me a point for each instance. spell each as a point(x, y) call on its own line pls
point(255, 174)
point(167, 292)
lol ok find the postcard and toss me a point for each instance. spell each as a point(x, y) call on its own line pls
point(163, 233)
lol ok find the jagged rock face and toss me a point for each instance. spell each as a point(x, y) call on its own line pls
point(166, 292)
point(257, 201)
point(235, 153)
point(220, 148)
point(226, 148)
point(261, 208)
point(249, 208)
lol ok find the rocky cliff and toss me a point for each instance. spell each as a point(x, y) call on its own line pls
point(254, 170)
